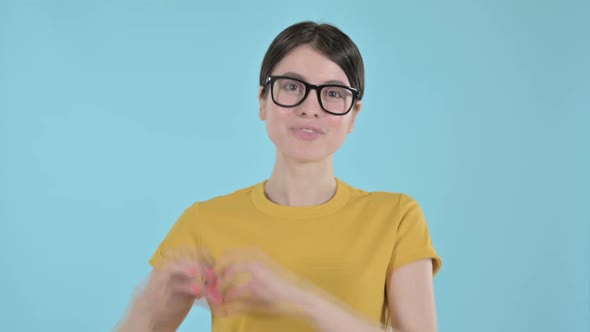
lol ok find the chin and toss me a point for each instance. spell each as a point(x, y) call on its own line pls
point(307, 156)
point(304, 153)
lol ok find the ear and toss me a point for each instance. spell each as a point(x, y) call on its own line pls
point(261, 101)
point(355, 110)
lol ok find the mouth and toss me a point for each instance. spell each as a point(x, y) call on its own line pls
point(307, 133)
point(309, 130)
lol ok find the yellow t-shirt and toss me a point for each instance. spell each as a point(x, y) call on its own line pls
point(348, 246)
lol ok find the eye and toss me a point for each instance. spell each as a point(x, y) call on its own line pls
point(291, 87)
point(334, 94)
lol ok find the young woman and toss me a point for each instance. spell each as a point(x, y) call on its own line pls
point(303, 250)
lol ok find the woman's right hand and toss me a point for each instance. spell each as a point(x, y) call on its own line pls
point(177, 281)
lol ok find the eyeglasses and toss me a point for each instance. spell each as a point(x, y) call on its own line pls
point(290, 92)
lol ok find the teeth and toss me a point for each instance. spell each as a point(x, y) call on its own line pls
point(310, 131)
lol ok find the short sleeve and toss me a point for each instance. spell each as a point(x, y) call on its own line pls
point(183, 234)
point(412, 241)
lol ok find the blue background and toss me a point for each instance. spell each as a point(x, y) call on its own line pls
point(117, 115)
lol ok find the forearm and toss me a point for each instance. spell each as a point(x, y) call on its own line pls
point(140, 318)
point(327, 316)
point(133, 324)
point(135, 321)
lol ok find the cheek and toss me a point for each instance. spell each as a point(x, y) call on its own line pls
point(275, 120)
point(339, 126)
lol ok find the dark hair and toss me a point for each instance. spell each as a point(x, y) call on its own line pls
point(324, 38)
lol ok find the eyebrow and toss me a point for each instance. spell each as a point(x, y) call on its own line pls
point(298, 76)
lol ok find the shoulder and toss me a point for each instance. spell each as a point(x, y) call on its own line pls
point(222, 201)
point(382, 198)
point(193, 214)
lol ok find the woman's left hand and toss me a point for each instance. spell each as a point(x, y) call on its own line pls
point(249, 281)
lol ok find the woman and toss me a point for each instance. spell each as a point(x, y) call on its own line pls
point(303, 250)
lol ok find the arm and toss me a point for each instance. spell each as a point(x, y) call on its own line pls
point(410, 293)
point(410, 297)
point(146, 313)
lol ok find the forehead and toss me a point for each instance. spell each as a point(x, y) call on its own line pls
point(311, 65)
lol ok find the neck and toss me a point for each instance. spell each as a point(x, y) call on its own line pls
point(301, 184)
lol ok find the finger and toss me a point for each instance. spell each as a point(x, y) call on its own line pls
point(191, 288)
point(242, 261)
point(251, 260)
point(194, 278)
point(189, 278)
point(240, 292)
point(230, 269)
point(211, 278)
point(235, 275)
point(211, 285)
point(213, 297)
point(185, 270)
point(188, 263)
point(186, 278)
point(179, 262)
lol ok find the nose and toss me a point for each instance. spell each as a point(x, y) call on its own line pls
point(310, 106)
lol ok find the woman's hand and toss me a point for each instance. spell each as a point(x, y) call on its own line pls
point(183, 273)
point(250, 281)
point(180, 278)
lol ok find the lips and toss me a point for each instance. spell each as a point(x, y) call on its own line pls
point(309, 129)
point(307, 133)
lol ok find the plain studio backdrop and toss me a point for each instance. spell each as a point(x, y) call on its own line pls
point(117, 115)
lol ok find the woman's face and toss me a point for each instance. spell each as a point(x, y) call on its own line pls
point(306, 133)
